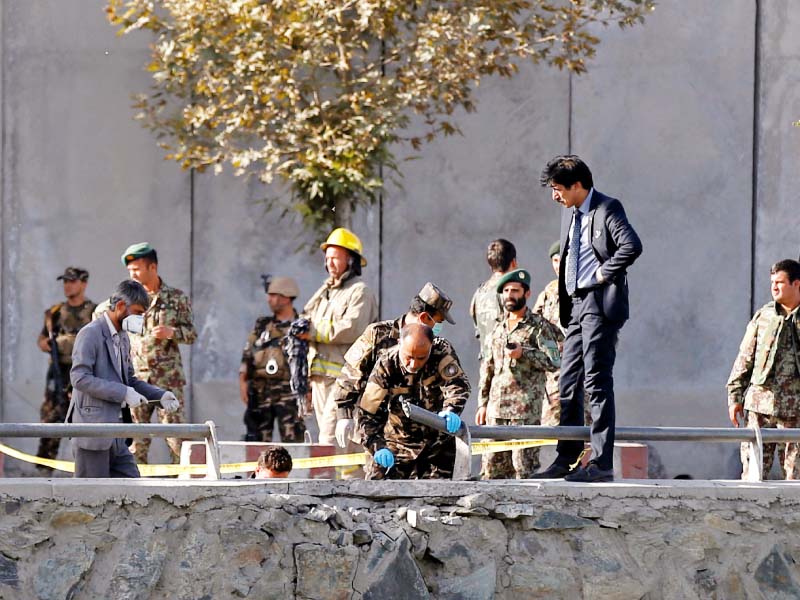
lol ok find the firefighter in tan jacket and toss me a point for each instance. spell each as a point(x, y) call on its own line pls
point(339, 312)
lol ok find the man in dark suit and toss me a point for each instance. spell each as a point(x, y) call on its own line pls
point(597, 247)
point(105, 387)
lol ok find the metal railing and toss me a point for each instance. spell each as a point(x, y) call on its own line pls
point(192, 431)
point(755, 437)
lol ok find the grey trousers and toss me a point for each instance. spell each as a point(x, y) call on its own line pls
point(117, 461)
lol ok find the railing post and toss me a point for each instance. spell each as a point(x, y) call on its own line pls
point(212, 453)
point(462, 469)
point(755, 459)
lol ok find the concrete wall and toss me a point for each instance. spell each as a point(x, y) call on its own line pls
point(370, 540)
point(669, 118)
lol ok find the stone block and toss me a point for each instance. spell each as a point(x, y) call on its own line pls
point(551, 519)
point(325, 571)
point(389, 571)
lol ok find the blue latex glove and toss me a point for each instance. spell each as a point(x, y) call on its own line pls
point(452, 420)
point(384, 458)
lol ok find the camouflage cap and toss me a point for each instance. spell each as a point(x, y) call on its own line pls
point(518, 275)
point(285, 286)
point(435, 297)
point(555, 248)
point(135, 251)
point(74, 274)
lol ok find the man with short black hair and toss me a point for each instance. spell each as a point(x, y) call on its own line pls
point(598, 245)
point(765, 379)
point(273, 463)
point(486, 307)
point(105, 385)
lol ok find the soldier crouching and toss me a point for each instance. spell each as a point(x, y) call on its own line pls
point(424, 374)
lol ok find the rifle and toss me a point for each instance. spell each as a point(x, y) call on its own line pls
point(253, 417)
point(54, 370)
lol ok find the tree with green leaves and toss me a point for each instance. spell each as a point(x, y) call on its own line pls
point(320, 92)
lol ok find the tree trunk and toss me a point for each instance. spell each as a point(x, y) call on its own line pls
point(343, 213)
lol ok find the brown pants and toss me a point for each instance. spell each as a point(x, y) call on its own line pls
point(787, 452)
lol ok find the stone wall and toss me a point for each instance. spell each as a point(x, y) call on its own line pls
point(390, 540)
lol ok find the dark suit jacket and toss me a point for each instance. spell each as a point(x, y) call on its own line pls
point(99, 386)
point(615, 245)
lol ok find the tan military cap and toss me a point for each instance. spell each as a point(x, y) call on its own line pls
point(285, 286)
point(433, 296)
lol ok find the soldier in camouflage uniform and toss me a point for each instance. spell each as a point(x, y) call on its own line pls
point(765, 379)
point(430, 307)
point(546, 305)
point(486, 307)
point(155, 354)
point(62, 321)
point(264, 372)
point(524, 346)
point(417, 371)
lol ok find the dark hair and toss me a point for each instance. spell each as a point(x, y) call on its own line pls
point(355, 264)
point(275, 458)
point(419, 306)
point(150, 258)
point(130, 292)
point(788, 266)
point(499, 255)
point(566, 170)
point(413, 328)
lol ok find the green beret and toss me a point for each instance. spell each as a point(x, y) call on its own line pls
point(555, 248)
point(135, 251)
point(520, 275)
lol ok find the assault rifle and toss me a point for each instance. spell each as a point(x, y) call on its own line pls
point(54, 382)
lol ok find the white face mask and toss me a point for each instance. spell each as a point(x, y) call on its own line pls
point(133, 324)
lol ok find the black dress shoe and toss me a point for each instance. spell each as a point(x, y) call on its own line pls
point(591, 474)
point(554, 471)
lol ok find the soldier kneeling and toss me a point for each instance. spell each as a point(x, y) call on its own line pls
point(417, 371)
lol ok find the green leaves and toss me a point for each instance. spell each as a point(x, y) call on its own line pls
point(318, 91)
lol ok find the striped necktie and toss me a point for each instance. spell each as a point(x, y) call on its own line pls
point(573, 253)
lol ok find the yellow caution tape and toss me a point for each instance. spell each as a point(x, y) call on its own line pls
point(314, 462)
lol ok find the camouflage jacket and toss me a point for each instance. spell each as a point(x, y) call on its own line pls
point(547, 303)
point(360, 359)
point(486, 309)
point(265, 346)
point(159, 361)
point(339, 312)
point(66, 321)
point(766, 373)
point(440, 384)
point(515, 388)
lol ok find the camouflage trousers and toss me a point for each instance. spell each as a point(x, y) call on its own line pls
point(434, 460)
point(551, 407)
point(282, 411)
point(788, 452)
point(53, 411)
point(511, 464)
point(144, 414)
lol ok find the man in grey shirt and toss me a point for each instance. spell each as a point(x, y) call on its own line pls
point(104, 384)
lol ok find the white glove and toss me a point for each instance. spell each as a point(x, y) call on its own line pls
point(169, 402)
point(344, 431)
point(133, 398)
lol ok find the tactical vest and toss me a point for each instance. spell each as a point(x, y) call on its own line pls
point(269, 359)
point(66, 322)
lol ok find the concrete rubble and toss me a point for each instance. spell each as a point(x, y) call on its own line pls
point(65, 539)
